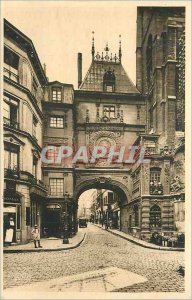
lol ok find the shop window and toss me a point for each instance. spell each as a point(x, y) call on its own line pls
point(155, 216)
point(56, 94)
point(28, 216)
point(18, 217)
point(57, 122)
point(56, 186)
point(11, 62)
point(10, 113)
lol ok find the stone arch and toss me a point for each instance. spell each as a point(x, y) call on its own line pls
point(102, 183)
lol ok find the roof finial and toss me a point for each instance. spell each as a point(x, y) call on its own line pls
point(107, 48)
point(120, 53)
point(93, 46)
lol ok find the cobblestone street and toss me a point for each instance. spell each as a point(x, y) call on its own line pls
point(99, 250)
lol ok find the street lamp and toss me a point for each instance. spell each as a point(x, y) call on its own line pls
point(65, 220)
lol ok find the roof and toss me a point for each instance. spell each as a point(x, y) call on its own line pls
point(93, 80)
point(26, 43)
point(59, 83)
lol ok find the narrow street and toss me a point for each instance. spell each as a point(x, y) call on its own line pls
point(99, 250)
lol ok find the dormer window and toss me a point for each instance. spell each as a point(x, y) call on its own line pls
point(109, 81)
point(56, 94)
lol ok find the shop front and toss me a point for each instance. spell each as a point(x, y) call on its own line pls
point(12, 218)
point(51, 223)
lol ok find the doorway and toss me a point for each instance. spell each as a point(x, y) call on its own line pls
point(52, 221)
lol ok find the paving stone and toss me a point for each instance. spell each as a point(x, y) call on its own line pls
point(159, 267)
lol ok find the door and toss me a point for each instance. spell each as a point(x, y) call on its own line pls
point(52, 221)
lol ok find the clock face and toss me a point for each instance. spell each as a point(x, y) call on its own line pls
point(105, 143)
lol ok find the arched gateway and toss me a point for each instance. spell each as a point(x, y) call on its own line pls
point(102, 182)
point(106, 111)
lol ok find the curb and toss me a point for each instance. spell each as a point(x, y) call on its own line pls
point(44, 250)
point(142, 245)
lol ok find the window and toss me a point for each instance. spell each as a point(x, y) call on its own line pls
point(155, 216)
point(56, 186)
point(109, 88)
point(35, 121)
point(109, 81)
point(10, 112)
point(34, 86)
point(110, 197)
point(109, 111)
point(155, 176)
point(52, 154)
point(11, 157)
point(11, 61)
point(28, 216)
point(56, 94)
point(56, 122)
point(35, 161)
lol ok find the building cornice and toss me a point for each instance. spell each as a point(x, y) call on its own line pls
point(14, 34)
point(25, 90)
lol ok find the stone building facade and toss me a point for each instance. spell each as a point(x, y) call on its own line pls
point(24, 81)
point(158, 187)
point(106, 110)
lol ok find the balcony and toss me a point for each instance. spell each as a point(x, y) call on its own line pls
point(10, 123)
point(10, 75)
point(156, 188)
point(11, 173)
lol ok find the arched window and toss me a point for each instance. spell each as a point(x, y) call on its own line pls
point(149, 60)
point(155, 216)
point(109, 81)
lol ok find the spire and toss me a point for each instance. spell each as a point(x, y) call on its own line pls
point(107, 51)
point(120, 53)
point(93, 46)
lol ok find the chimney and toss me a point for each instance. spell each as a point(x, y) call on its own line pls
point(79, 63)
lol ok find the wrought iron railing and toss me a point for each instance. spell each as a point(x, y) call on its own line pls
point(12, 173)
point(10, 123)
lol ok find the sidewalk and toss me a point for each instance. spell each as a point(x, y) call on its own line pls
point(137, 241)
point(49, 244)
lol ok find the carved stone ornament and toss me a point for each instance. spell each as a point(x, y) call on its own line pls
point(166, 151)
point(176, 185)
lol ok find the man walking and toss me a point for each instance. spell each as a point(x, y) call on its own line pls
point(36, 236)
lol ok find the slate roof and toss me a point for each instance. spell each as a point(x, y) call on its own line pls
point(93, 80)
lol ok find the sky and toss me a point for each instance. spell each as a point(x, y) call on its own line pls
point(85, 200)
point(60, 29)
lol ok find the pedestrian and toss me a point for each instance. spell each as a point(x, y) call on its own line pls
point(36, 236)
point(110, 223)
point(10, 232)
point(106, 224)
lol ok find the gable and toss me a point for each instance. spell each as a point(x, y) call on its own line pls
point(94, 78)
